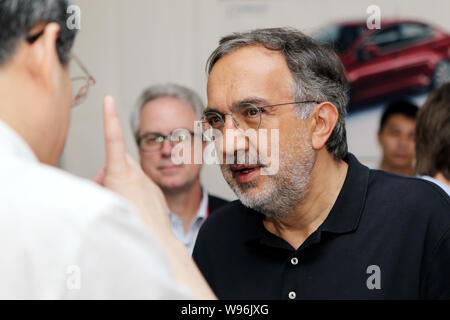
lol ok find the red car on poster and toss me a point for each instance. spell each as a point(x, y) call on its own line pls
point(401, 56)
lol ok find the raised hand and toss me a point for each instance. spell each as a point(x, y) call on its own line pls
point(123, 175)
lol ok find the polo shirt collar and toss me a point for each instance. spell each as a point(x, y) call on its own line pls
point(347, 210)
point(345, 214)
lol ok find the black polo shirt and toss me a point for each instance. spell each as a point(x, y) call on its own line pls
point(386, 237)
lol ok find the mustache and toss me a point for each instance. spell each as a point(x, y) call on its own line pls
point(244, 159)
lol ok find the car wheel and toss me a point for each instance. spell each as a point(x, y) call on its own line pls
point(441, 73)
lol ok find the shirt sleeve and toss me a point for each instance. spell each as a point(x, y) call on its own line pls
point(118, 258)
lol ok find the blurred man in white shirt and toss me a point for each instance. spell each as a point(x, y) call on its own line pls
point(61, 236)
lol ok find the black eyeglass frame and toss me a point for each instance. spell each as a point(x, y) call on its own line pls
point(261, 109)
point(164, 137)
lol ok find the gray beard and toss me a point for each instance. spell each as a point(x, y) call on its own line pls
point(284, 191)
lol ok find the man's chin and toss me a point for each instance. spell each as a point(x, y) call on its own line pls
point(244, 187)
point(172, 186)
point(254, 198)
point(249, 187)
point(250, 191)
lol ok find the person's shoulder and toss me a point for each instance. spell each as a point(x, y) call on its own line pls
point(415, 189)
point(214, 202)
point(229, 210)
point(440, 184)
point(409, 198)
point(58, 194)
point(231, 215)
point(54, 217)
point(82, 188)
point(224, 231)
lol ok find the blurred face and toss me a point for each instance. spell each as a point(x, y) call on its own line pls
point(164, 115)
point(397, 141)
point(254, 73)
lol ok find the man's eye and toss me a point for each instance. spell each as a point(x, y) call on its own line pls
point(251, 112)
point(150, 140)
point(394, 133)
point(213, 119)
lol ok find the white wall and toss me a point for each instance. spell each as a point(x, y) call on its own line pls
point(129, 45)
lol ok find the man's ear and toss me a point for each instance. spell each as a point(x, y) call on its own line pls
point(325, 118)
point(379, 137)
point(42, 56)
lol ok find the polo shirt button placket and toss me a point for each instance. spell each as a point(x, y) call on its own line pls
point(292, 295)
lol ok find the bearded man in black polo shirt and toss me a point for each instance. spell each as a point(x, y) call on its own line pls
point(323, 226)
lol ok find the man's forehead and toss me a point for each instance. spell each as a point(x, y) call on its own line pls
point(248, 60)
point(163, 107)
point(398, 119)
point(248, 72)
point(167, 114)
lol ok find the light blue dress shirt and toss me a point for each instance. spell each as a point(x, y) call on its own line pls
point(177, 224)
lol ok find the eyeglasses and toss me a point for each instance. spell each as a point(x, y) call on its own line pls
point(81, 84)
point(247, 116)
point(153, 141)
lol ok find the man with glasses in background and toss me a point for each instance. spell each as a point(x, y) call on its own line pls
point(165, 116)
point(324, 226)
point(61, 236)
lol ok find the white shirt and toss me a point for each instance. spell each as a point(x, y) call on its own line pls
point(177, 224)
point(62, 237)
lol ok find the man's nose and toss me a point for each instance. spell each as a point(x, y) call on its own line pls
point(234, 144)
point(230, 121)
point(166, 148)
point(404, 142)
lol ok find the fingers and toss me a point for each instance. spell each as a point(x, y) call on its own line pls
point(132, 163)
point(100, 176)
point(115, 142)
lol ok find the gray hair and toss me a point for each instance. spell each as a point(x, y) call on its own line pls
point(17, 17)
point(165, 90)
point(317, 71)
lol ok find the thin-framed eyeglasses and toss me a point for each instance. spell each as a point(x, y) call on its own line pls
point(81, 84)
point(246, 116)
point(153, 141)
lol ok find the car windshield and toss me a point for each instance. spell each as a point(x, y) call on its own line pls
point(341, 37)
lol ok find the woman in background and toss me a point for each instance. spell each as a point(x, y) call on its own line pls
point(433, 138)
